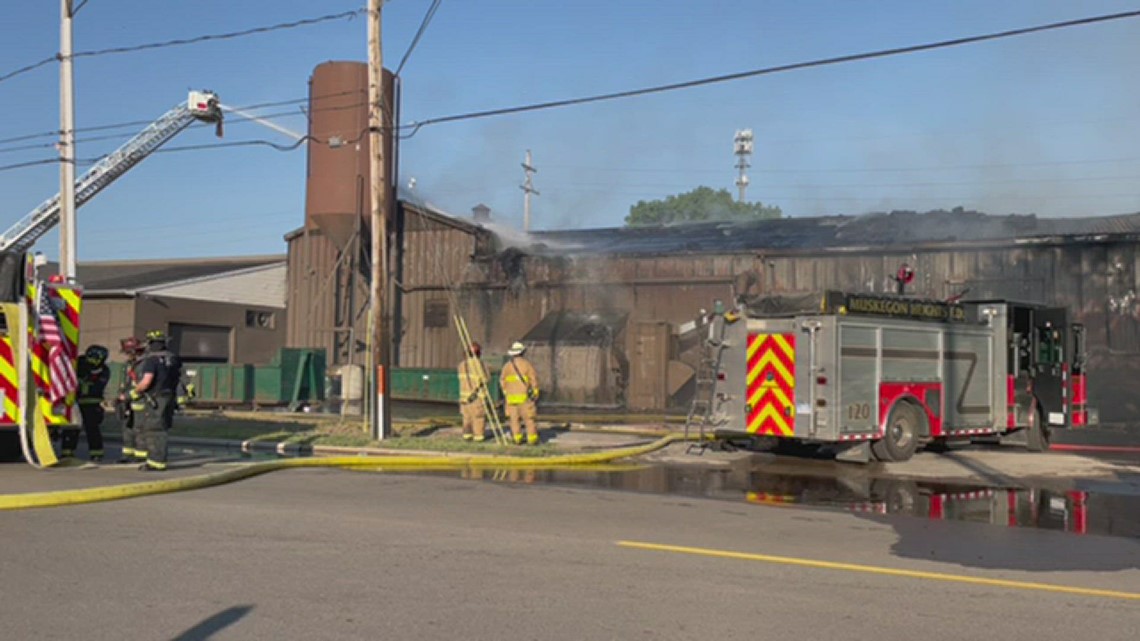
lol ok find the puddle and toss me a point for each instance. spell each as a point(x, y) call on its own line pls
point(1077, 512)
point(1105, 510)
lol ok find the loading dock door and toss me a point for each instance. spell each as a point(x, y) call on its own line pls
point(201, 343)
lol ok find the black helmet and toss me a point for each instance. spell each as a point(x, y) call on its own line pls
point(156, 336)
point(97, 354)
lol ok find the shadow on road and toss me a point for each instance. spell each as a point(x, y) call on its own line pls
point(1030, 550)
point(220, 621)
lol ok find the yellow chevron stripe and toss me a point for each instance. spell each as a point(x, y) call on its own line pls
point(11, 410)
point(757, 341)
point(70, 297)
point(757, 396)
point(783, 399)
point(8, 373)
point(785, 347)
point(771, 358)
point(770, 413)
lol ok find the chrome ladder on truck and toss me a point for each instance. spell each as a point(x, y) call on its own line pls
point(702, 407)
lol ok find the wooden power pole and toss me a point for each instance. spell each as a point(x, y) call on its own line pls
point(380, 415)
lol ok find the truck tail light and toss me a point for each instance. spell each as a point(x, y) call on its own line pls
point(720, 376)
point(821, 380)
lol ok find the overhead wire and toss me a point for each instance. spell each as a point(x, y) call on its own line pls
point(419, 34)
point(349, 15)
point(819, 62)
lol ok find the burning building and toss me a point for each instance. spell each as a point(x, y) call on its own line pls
point(606, 311)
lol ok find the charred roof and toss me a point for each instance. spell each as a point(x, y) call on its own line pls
point(896, 229)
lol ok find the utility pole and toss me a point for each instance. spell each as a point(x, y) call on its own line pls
point(742, 148)
point(528, 188)
point(66, 144)
point(381, 358)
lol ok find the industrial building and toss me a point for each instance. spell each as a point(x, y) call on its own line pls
point(229, 310)
point(605, 311)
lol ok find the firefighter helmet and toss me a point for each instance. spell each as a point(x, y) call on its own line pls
point(96, 354)
point(516, 349)
point(156, 336)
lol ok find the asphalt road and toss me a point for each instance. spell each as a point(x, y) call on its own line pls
point(329, 554)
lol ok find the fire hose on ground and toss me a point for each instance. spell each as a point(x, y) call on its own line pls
point(484, 461)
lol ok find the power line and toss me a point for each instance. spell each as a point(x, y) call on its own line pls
point(187, 41)
point(821, 62)
point(30, 163)
point(27, 68)
point(419, 34)
point(139, 123)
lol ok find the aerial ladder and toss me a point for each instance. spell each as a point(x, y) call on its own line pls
point(201, 106)
point(30, 404)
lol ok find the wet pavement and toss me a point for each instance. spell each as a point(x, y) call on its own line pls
point(1092, 508)
point(1101, 505)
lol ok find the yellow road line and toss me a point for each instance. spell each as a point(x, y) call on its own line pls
point(872, 569)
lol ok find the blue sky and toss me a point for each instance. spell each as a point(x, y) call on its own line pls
point(1042, 123)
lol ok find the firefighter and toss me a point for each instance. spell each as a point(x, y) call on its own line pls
point(472, 386)
point(160, 372)
point(126, 410)
point(519, 382)
point(93, 375)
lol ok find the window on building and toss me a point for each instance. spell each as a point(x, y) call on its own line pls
point(436, 313)
point(200, 343)
point(260, 320)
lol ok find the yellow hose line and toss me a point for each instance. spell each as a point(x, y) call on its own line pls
point(133, 490)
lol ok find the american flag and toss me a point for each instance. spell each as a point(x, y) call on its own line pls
point(63, 379)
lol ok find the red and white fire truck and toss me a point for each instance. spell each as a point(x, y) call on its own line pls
point(878, 376)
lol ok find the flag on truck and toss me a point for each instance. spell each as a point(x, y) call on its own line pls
point(62, 378)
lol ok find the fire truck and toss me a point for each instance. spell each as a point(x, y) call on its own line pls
point(876, 376)
point(32, 356)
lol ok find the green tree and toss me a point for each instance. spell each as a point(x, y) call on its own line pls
point(702, 203)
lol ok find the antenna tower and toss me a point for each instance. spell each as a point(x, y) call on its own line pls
point(742, 148)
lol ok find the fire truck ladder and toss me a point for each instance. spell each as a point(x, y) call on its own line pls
point(702, 408)
point(200, 106)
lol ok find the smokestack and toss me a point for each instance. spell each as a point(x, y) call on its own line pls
point(481, 213)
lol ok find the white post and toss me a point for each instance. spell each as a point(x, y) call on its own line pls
point(67, 246)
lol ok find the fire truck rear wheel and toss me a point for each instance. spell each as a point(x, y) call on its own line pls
point(900, 439)
point(1038, 435)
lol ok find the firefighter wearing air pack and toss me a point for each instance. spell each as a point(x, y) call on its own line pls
point(160, 372)
point(93, 375)
point(126, 410)
point(519, 382)
point(472, 388)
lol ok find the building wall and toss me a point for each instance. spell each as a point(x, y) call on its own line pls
point(248, 345)
point(1096, 280)
point(104, 321)
point(323, 299)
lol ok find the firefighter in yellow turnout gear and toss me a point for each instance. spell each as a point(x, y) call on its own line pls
point(519, 382)
point(473, 381)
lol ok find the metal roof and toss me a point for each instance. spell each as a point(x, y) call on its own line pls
point(885, 230)
point(130, 275)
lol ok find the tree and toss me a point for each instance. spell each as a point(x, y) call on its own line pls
point(702, 203)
